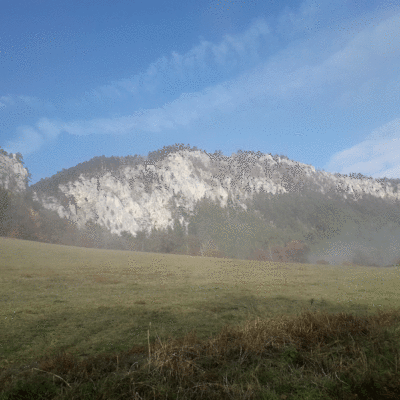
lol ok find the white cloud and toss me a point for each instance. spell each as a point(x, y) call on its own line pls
point(31, 139)
point(233, 49)
point(48, 128)
point(28, 142)
point(377, 156)
point(291, 23)
point(391, 130)
point(291, 72)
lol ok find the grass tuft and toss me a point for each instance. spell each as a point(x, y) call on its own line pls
point(315, 355)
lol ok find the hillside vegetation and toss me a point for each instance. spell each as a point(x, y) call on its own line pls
point(265, 231)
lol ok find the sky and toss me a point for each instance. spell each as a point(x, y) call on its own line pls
point(317, 81)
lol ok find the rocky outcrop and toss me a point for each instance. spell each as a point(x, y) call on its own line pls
point(13, 175)
point(149, 194)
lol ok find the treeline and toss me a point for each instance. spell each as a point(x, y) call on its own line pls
point(23, 218)
point(274, 227)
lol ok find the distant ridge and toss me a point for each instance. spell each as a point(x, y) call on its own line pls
point(243, 204)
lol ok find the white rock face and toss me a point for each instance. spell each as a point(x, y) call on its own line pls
point(12, 173)
point(142, 196)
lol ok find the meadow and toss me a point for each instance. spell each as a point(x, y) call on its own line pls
point(78, 323)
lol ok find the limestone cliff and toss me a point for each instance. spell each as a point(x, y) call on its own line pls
point(142, 196)
point(13, 175)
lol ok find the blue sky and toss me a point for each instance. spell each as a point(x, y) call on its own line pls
point(318, 81)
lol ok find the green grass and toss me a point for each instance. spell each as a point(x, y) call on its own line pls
point(81, 323)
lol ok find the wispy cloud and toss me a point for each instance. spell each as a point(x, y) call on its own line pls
point(276, 78)
point(6, 101)
point(11, 103)
point(391, 130)
point(31, 138)
point(28, 141)
point(285, 75)
point(379, 152)
point(305, 18)
point(233, 51)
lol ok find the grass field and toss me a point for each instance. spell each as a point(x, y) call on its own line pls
point(79, 323)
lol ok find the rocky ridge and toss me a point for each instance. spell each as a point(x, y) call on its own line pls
point(146, 195)
point(13, 175)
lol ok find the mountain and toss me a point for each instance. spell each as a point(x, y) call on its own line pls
point(13, 175)
point(135, 195)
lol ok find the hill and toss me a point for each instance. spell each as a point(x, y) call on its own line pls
point(184, 200)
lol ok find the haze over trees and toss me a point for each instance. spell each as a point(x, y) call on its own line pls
point(285, 227)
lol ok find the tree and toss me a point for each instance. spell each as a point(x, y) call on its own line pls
point(5, 206)
point(140, 240)
point(178, 229)
point(297, 251)
point(265, 252)
point(19, 158)
point(129, 239)
point(194, 245)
